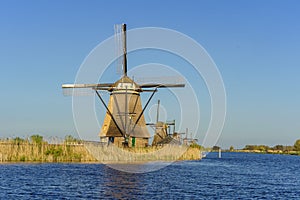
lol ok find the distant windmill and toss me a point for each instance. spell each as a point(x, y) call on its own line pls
point(124, 123)
point(162, 129)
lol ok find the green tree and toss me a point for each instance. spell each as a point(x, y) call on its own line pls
point(231, 148)
point(216, 148)
point(36, 139)
point(249, 147)
point(297, 145)
point(71, 139)
point(288, 148)
point(262, 148)
point(278, 147)
point(18, 140)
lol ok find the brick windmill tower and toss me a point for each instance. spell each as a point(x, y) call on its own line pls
point(124, 123)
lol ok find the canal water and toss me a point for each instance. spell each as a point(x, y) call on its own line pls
point(234, 176)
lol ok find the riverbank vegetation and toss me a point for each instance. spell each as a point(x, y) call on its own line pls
point(70, 149)
point(36, 149)
point(277, 149)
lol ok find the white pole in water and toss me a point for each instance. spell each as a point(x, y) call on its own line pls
point(220, 153)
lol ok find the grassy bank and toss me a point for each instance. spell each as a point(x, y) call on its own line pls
point(25, 151)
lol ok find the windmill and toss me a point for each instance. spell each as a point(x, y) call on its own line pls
point(162, 129)
point(124, 123)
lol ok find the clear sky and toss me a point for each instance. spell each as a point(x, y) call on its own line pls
point(255, 44)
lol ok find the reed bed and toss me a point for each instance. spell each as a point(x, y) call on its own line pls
point(25, 151)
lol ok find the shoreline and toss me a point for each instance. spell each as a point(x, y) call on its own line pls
point(292, 153)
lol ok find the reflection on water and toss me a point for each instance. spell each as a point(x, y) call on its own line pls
point(140, 167)
point(122, 185)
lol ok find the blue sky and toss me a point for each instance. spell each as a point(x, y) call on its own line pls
point(255, 45)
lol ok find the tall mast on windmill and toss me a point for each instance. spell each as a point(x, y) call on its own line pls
point(124, 50)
